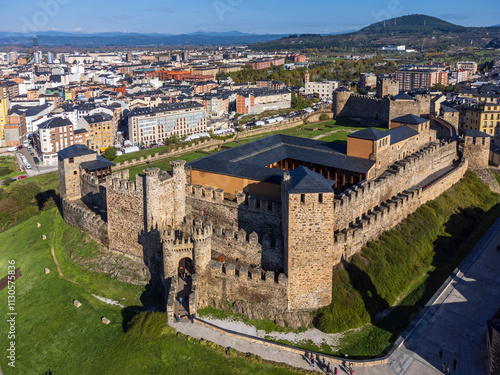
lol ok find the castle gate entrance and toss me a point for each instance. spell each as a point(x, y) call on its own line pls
point(185, 267)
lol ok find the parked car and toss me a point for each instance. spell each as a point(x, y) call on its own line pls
point(19, 147)
point(22, 177)
point(32, 154)
point(27, 166)
point(37, 161)
point(12, 149)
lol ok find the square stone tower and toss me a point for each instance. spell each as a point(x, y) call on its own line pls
point(477, 149)
point(308, 222)
point(69, 161)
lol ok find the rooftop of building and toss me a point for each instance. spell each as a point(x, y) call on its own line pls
point(74, 151)
point(304, 181)
point(251, 160)
point(476, 134)
point(167, 107)
point(410, 119)
point(55, 122)
point(97, 118)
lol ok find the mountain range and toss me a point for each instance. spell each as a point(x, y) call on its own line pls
point(59, 38)
point(415, 31)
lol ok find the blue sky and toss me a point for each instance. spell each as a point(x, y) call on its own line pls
point(251, 16)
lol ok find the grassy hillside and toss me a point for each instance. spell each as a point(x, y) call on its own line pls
point(54, 337)
point(410, 30)
point(406, 265)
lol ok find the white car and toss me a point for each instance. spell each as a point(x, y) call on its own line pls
point(12, 149)
point(27, 166)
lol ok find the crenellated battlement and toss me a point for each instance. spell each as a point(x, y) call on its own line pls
point(395, 172)
point(243, 274)
point(123, 186)
point(91, 180)
point(82, 217)
point(243, 200)
point(241, 237)
point(389, 213)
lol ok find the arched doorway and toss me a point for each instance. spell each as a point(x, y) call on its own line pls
point(185, 267)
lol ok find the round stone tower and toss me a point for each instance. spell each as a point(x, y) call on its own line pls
point(340, 98)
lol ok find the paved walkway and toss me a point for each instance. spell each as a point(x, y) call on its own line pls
point(454, 322)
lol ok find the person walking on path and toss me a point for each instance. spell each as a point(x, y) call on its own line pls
point(440, 354)
point(454, 364)
point(329, 368)
point(444, 367)
point(180, 300)
point(336, 371)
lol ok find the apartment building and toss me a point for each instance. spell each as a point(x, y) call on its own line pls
point(420, 79)
point(100, 130)
point(51, 137)
point(259, 100)
point(467, 65)
point(324, 90)
point(484, 117)
point(9, 89)
point(4, 111)
point(153, 125)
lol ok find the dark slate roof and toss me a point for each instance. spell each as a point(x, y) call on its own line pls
point(445, 108)
point(401, 133)
point(476, 133)
point(250, 160)
point(100, 163)
point(371, 134)
point(33, 111)
point(97, 118)
point(410, 119)
point(304, 181)
point(403, 96)
point(55, 122)
point(75, 151)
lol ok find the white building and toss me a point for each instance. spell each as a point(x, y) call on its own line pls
point(323, 89)
point(153, 125)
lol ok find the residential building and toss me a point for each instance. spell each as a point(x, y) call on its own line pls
point(268, 84)
point(259, 100)
point(367, 80)
point(4, 108)
point(80, 137)
point(100, 130)
point(153, 125)
point(52, 136)
point(467, 65)
point(460, 75)
point(484, 117)
point(420, 79)
point(323, 90)
point(37, 57)
point(17, 119)
point(9, 89)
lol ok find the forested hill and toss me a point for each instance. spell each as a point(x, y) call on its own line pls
point(414, 31)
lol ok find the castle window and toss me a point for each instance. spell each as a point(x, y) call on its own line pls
point(484, 140)
point(302, 198)
point(74, 172)
point(320, 198)
point(474, 140)
point(71, 160)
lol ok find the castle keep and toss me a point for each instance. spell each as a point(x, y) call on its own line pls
point(280, 212)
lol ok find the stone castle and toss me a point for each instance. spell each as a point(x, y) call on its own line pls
point(264, 223)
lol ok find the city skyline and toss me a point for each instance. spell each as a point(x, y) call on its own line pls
point(258, 17)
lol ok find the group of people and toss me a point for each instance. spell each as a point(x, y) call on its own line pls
point(326, 366)
point(446, 369)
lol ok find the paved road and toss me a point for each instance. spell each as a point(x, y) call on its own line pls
point(455, 323)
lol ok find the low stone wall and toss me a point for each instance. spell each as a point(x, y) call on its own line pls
point(226, 283)
point(80, 216)
point(390, 213)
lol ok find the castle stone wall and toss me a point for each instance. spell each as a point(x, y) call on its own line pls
point(78, 215)
point(388, 214)
point(125, 215)
point(227, 283)
point(404, 174)
point(93, 193)
point(246, 212)
point(248, 248)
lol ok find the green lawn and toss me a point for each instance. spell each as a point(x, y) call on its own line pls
point(8, 167)
point(53, 336)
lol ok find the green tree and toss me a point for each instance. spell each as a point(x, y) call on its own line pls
point(110, 153)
